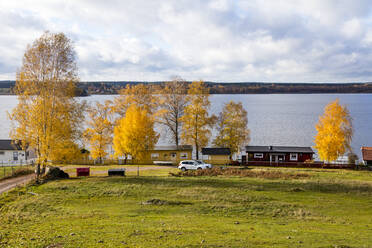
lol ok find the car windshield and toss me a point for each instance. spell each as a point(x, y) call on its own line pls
point(199, 162)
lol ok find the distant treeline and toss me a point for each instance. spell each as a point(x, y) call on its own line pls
point(110, 87)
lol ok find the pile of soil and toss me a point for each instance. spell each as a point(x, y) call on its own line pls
point(54, 173)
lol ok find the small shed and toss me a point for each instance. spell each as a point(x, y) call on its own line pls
point(367, 155)
point(219, 156)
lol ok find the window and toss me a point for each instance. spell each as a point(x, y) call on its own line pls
point(183, 155)
point(15, 156)
point(173, 155)
point(2, 152)
point(293, 157)
point(154, 155)
point(258, 155)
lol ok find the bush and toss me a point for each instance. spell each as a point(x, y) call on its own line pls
point(54, 173)
point(242, 172)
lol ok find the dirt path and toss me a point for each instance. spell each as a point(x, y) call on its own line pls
point(13, 182)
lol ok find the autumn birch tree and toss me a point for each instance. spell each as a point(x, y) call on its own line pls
point(134, 134)
point(232, 127)
point(197, 122)
point(47, 117)
point(140, 94)
point(100, 129)
point(172, 106)
point(335, 132)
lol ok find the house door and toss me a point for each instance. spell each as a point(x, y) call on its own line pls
point(273, 158)
point(277, 158)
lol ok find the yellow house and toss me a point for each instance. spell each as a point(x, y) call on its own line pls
point(169, 154)
point(217, 156)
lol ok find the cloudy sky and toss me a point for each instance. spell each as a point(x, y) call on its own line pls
point(262, 40)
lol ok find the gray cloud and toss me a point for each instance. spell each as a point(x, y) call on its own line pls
point(281, 40)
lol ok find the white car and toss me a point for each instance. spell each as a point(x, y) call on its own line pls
point(193, 165)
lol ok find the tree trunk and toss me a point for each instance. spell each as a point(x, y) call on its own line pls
point(37, 172)
point(197, 151)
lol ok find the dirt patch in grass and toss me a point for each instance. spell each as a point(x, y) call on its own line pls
point(241, 172)
point(159, 202)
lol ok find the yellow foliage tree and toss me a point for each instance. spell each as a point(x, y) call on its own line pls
point(197, 122)
point(47, 117)
point(232, 127)
point(100, 129)
point(135, 134)
point(141, 95)
point(334, 132)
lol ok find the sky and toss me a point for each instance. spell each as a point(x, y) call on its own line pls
point(212, 40)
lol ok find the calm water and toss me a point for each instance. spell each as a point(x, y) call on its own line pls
point(273, 119)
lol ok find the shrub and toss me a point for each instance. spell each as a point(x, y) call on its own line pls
point(54, 173)
point(268, 174)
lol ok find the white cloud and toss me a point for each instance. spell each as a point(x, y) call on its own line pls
point(224, 40)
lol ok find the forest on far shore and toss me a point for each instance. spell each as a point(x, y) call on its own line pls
point(113, 87)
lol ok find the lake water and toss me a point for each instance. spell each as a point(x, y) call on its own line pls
point(275, 119)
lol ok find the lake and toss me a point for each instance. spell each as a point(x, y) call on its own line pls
point(274, 119)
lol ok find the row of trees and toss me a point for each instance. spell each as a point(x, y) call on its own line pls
point(128, 122)
point(51, 121)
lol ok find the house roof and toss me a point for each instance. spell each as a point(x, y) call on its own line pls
point(276, 149)
point(367, 153)
point(215, 151)
point(9, 145)
point(173, 148)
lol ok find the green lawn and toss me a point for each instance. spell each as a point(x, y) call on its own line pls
point(327, 209)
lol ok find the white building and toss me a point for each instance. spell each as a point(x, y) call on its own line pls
point(11, 153)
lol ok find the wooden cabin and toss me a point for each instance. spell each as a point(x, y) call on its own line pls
point(367, 155)
point(169, 155)
point(218, 156)
point(278, 153)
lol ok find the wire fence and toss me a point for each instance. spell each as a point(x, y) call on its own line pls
point(10, 168)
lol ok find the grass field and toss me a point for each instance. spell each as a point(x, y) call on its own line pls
point(324, 209)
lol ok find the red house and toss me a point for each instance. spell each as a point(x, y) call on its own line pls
point(367, 155)
point(278, 153)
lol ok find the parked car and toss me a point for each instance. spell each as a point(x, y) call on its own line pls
point(193, 165)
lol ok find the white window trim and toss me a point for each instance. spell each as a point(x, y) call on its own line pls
point(258, 155)
point(183, 155)
point(154, 155)
point(293, 154)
